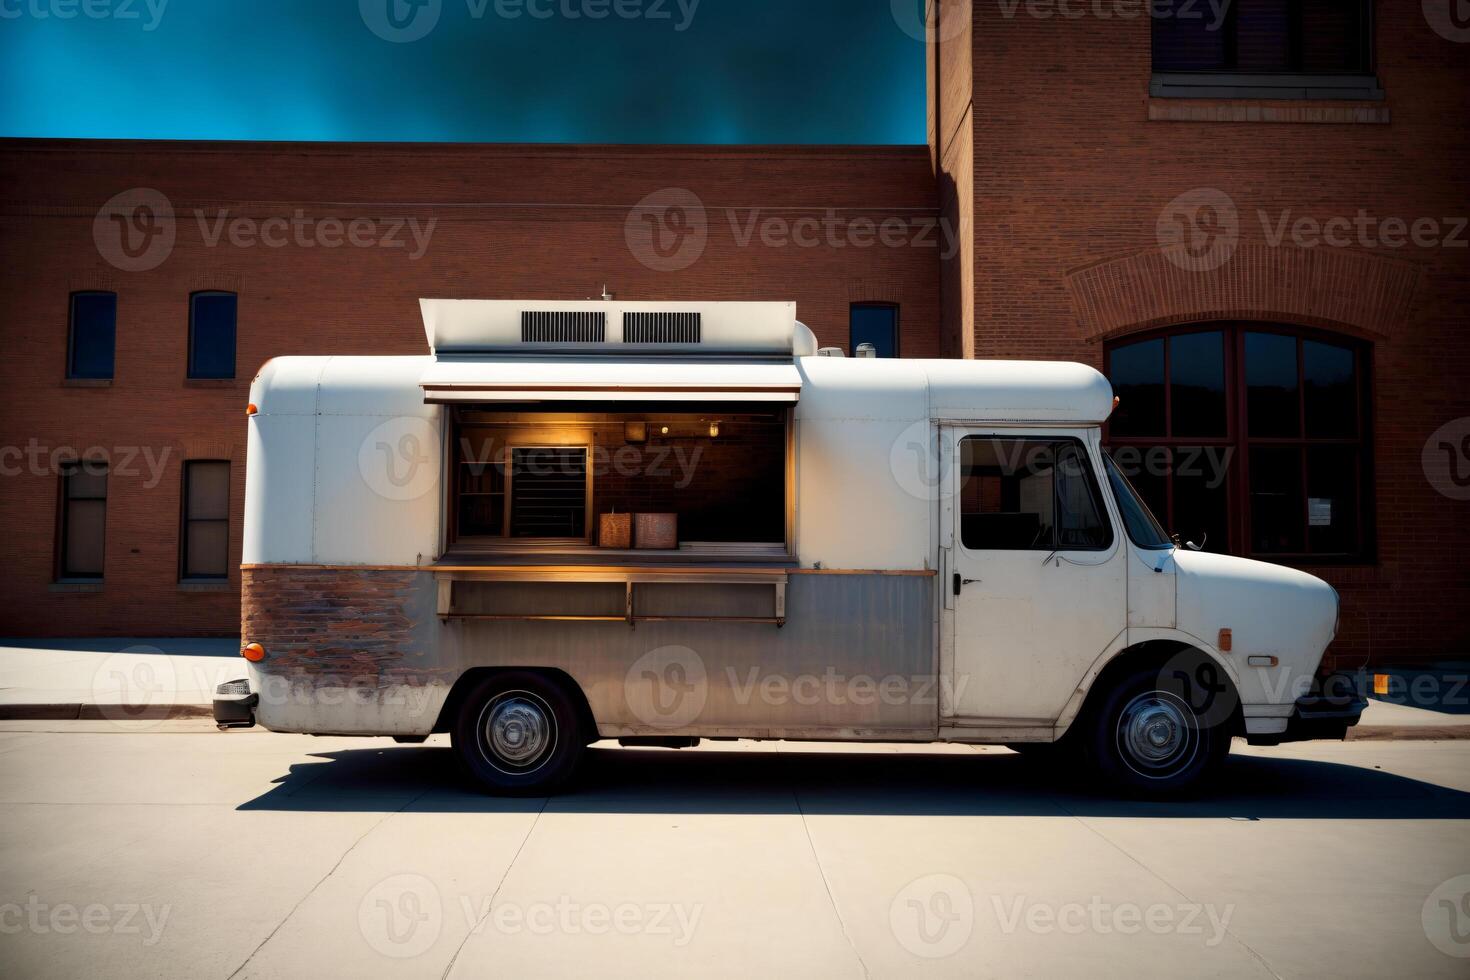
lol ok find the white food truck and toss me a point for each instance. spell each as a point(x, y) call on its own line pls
point(666, 522)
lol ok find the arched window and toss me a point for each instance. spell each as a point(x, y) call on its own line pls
point(1254, 434)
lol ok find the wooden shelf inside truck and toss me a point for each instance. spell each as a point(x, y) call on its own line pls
point(630, 577)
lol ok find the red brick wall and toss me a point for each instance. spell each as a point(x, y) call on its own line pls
point(511, 222)
point(1073, 165)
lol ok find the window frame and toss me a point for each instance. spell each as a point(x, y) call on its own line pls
point(193, 326)
point(185, 520)
point(876, 305)
point(71, 335)
point(1290, 82)
point(65, 471)
point(1238, 439)
point(1094, 489)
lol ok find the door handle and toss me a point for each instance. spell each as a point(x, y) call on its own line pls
point(960, 583)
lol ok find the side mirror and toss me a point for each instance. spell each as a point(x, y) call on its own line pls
point(1196, 547)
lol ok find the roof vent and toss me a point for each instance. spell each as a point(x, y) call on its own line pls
point(661, 328)
point(563, 327)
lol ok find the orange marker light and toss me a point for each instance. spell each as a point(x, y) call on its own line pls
point(1380, 683)
point(253, 652)
point(1226, 640)
point(251, 409)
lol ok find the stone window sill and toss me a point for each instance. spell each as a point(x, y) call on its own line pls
point(205, 585)
point(210, 382)
point(76, 585)
point(1233, 85)
point(1258, 111)
point(86, 382)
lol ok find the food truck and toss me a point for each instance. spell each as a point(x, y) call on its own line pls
point(666, 522)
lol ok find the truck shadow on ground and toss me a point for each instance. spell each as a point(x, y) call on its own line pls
point(613, 780)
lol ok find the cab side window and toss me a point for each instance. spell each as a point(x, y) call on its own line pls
point(1029, 495)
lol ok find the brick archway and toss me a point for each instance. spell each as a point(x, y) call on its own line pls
point(1336, 289)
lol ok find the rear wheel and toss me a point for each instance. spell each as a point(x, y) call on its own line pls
point(1148, 738)
point(518, 734)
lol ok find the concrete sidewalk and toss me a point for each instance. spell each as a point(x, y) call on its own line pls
point(126, 678)
point(156, 678)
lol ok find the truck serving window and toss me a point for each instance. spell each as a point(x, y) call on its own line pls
point(1029, 495)
point(1143, 528)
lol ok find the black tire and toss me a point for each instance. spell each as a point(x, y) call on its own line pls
point(1150, 736)
point(519, 734)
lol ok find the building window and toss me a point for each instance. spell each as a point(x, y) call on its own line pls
point(91, 335)
point(1254, 47)
point(212, 335)
point(83, 520)
point(205, 543)
point(1029, 495)
point(876, 324)
point(1248, 438)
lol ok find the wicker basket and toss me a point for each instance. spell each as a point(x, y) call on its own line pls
point(656, 531)
point(615, 531)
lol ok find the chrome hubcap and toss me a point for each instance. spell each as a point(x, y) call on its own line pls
point(518, 730)
point(1157, 731)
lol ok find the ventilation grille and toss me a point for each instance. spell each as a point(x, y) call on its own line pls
point(660, 328)
point(563, 328)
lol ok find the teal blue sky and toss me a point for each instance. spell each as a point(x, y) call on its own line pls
point(644, 71)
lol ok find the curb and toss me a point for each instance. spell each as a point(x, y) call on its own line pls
point(1408, 733)
point(103, 712)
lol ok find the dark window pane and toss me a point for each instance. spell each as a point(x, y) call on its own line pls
point(1331, 390)
point(1188, 43)
point(1006, 494)
point(1080, 523)
point(93, 335)
point(1137, 373)
point(1197, 384)
point(876, 325)
point(207, 552)
point(1334, 36)
point(1277, 504)
point(1332, 499)
point(83, 519)
point(1271, 385)
point(1200, 502)
point(209, 491)
point(212, 335)
point(548, 490)
point(1140, 520)
point(1262, 35)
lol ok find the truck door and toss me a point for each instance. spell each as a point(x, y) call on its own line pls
point(1036, 576)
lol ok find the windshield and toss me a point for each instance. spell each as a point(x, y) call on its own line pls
point(1144, 529)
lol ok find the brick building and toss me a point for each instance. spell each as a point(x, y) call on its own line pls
point(1263, 246)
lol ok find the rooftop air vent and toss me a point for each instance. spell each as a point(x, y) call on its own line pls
point(660, 328)
point(563, 327)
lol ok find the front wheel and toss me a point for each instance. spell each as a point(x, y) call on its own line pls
point(1148, 738)
point(518, 734)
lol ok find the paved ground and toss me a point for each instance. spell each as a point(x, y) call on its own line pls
point(173, 850)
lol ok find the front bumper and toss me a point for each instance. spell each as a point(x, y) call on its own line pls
point(234, 705)
point(1318, 716)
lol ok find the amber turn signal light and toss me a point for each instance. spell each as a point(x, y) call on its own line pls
point(253, 652)
point(251, 409)
point(1226, 640)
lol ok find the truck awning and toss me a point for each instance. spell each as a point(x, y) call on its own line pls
point(605, 379)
